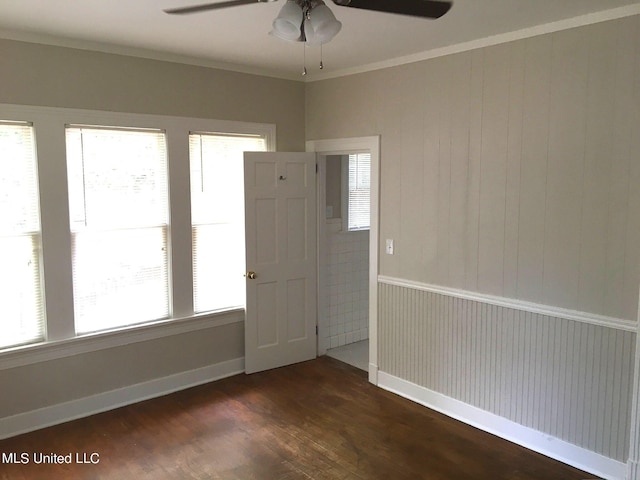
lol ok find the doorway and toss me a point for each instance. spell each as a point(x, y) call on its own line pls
point(347, 259)
point(345, 237)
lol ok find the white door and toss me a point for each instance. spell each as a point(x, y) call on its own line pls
point(280, 221)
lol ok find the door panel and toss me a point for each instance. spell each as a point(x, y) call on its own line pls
point(296, 296)
point(296, 237)
point(280, 207)
point(267, 316)
point(266, 244)
point(296, 175)
point(264, 174)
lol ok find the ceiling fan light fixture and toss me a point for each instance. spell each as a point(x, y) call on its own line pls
point(322, 25)
point(311, 22)
point(288, 22)
point(310, 36)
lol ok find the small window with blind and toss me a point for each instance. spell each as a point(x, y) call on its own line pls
point(21, 292)
point(118, 207)
point(217, 215)
point(356, 177)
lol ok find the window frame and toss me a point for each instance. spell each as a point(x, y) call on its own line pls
point(61, 340)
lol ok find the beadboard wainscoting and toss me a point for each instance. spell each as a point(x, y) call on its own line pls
point(558, 384)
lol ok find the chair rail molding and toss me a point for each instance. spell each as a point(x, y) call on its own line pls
point(558, 312)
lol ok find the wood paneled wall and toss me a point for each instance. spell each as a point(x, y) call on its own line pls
point(509, 170)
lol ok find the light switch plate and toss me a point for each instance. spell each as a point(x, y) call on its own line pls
point(389, 246)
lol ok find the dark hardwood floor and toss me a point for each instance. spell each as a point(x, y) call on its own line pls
point(316, 420)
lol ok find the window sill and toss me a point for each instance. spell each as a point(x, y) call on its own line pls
point(45, 351)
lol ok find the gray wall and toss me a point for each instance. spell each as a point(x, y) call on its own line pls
point(64, 77)
point(510, 171)
point(57, 381)
point(61, 77)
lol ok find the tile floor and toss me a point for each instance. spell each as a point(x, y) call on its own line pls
point(356, 354)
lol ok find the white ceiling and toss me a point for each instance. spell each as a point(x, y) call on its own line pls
point(237, 38)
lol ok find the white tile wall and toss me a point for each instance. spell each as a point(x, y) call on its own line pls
point(347, 294)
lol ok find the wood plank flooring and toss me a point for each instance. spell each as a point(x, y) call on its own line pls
point(315, 420)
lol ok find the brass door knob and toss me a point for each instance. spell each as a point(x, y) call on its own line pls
point(250, 275)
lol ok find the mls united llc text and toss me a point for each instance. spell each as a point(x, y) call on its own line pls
point(52, 458)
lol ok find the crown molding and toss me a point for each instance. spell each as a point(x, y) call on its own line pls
point(566, 24)
point(552, 27)
point(148, 54)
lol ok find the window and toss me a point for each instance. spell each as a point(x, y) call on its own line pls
point(217, 215)
point(100, 247)
point(118, 207)
point(357, 179)
point(21, 293)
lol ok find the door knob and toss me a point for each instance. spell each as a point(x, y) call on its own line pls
point(250, 275)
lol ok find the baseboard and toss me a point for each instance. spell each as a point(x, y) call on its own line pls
point(84, 407)
point(527, 437)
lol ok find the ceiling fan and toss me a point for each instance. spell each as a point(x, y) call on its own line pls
point(414, 8)
point(312, 22)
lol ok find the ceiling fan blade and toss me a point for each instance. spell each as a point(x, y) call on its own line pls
point(212, 6)
point(414, 8)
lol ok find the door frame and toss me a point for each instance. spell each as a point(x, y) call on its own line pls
point(343, 146)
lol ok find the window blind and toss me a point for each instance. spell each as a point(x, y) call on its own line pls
point(359, 191)
point(118, 206)
point(21, 290)
point(217, 212)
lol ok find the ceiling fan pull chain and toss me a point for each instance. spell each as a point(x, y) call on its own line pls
point(321, 64)
point(304, 58)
